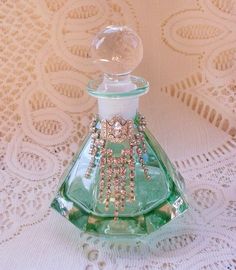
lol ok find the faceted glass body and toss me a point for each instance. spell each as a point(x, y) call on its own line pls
point(156, 201)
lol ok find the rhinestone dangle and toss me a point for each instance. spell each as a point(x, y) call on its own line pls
point(117, 170)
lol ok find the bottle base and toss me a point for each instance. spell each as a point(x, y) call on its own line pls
point(132, 226)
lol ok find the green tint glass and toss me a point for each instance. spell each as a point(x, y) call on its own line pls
point(157, 201)
point(140, 85)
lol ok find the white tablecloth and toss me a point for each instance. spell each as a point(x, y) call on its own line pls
point(189, 59)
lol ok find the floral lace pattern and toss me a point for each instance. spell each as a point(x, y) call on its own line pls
point(44, 114)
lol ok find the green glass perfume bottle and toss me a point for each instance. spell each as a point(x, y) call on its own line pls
point(121, 183)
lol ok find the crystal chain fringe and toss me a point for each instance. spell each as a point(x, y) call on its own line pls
point(117, 174)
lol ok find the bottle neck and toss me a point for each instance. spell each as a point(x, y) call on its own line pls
point(126, 106)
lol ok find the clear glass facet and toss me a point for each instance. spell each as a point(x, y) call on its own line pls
point(117, 50)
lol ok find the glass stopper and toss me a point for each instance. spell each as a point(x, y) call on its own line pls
point(117, 50)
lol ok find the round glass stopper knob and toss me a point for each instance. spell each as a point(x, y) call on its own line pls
point(117, 50)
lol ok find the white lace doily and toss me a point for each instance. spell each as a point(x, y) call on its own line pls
point(190, 61)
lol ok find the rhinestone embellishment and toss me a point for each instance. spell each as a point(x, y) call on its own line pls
point(117, 172)
point(117, 129)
